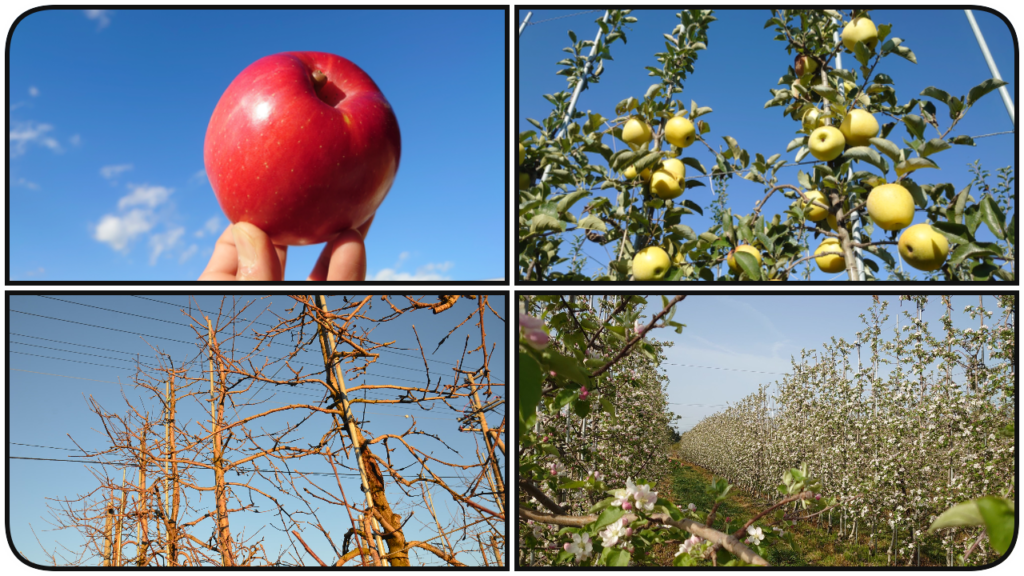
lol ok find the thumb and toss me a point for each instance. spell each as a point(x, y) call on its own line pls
point(257, 258)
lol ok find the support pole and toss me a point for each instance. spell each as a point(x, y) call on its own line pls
point(580, 85)
point(991, 65)
point(858, 254)
point(525, 22)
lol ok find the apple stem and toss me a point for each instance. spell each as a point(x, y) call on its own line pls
point(319, 79)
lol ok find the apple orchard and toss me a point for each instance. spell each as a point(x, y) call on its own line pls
point(865, 186)
point(897, 448)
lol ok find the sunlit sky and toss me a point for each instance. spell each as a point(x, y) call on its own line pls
point(743, 61)
point(734, 343)
point(109, 108)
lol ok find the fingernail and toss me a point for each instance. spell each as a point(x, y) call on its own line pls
point(246, 253)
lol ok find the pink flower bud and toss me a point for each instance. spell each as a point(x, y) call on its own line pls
point(529, 322)
point(630, 549)
point(817, 496)
point(627, 505)
point(538, 339)
point(566, 546)
point(629, 532)
point(584, 393)
point(553, 546)
point(553, 374)
point(728, 518)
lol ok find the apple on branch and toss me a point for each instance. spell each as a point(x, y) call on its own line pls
point(303, 145)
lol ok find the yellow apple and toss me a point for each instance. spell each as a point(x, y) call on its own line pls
point(826, 143)
point(522, 154)
point(812, 118)
point(630, 173)
point(636, 133)
point(815, 213)
point(680, 132)
point(833, 222)
point(858, 127)
point(830, 263)
point(923, 248)
point(860, 29)
point(891, 206)
point(651, 263)
point(524, 181)
point(805, 65)
point(665, 185)
point(676, 167)
point(731, 258)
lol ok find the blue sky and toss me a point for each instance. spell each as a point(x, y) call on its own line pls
point(734, 343)
point(109, 110)
point(743, 61)
point(55, 366)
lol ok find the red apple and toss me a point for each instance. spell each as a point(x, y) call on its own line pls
point(303, 145)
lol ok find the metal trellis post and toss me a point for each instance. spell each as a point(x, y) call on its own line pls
point(991, 65)
point(525, 22)
point(855, 217)
point(580, 85)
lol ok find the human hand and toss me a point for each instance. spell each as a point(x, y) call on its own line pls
point(244, 252)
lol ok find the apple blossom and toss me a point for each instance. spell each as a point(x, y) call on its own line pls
point(615, 532)
point(584, 393)
point(581, 546)
point(756, 535)
point(538, 339)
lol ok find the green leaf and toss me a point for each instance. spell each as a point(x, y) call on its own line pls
point(993, 217)
point(932, 146)
point(998, 516)
point(748, 263)
point(601, 505)
point(911, 164)
point(962, 140)
point(617, 557)
point(963, 514)
point(796, 143)
point(933, 92)
point(915, 125)
point(572, 485)
point(607, 406)
point(565, 367)
point(609, 515)
point(565, 203)
point(866, 154)
point(919, 198)
point(972, 250)
point(592, 222)
point(888, 148)
point(695, 164)
point(953, 232)
point(542, 222)
point(961, 201)
point(581, 408)
point(981, 89)
point(529, 387)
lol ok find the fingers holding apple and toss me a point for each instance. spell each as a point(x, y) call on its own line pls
point(303, 145)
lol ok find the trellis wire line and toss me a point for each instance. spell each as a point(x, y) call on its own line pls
point(560, 17)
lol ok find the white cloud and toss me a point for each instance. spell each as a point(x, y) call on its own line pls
point(75, 140)
point(198, 178)
point(212, 226)
point(27, 184)
point(26, 133)
point(33, 91)
point(162, 242)
point(188, 253)
point(101, 16)
point(430, 271)
point(118, 231)
point(149, 196)
point(109, 172)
